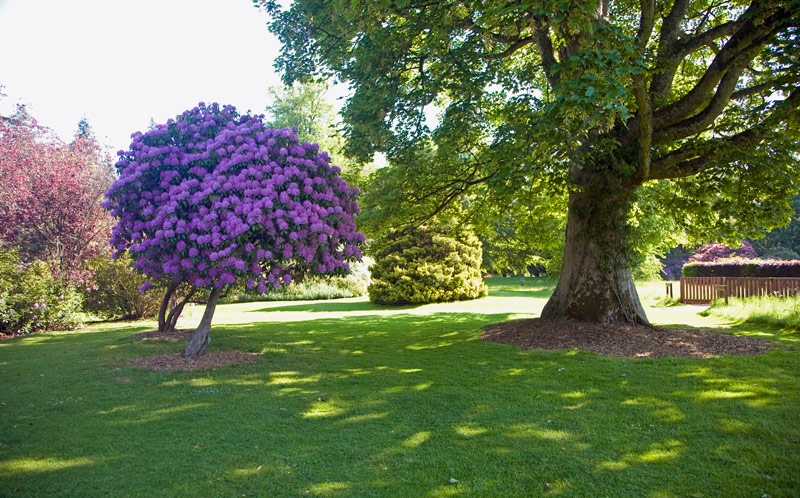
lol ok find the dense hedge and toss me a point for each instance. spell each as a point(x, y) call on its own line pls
point(743, 268)
point(426, 265)
point(31, 299)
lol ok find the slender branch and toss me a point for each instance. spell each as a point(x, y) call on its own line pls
point(544, 43)
point(753, 90)
point(689, 45)
point(521, 42)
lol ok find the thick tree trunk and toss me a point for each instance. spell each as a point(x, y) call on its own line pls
point(596, 283)
point(201, 336)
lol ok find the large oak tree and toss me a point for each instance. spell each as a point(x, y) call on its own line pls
point(683, 110)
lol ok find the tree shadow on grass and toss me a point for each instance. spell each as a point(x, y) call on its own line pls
point(332, 306)
point(542, 293)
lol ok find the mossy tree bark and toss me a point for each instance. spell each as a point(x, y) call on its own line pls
point(202, 335)
point(596, 283)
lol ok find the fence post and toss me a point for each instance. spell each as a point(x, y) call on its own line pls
point(669, 289)
point(722, 291)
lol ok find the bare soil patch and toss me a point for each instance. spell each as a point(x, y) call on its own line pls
point(208, 360)
point(176, 335)
point(623, 340)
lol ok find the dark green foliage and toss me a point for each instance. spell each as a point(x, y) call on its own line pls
point(31, 299)
point(784, 242)
point(680, 118)
point(427, 264)
point(114, 291)
point(742, 268)
point(783, 253)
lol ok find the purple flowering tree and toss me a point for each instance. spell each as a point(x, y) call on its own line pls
point(214, 197)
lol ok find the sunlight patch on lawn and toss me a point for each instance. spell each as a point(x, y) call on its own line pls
point(470, 430)
point(325, 488)
point(664, 410)
point(530, 430)
point(321, 409)
point(450, 490)
point(657, 453)
point(417, 439)
point(661, 453)
point(290, 377)
point(720, 394)
point(46, 464)
point(202, 382)
point(736, 426)
point(440, 344)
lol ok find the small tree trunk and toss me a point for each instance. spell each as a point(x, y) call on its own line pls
point(596, 283)
point(201, 336)
point(162, 310)
point(175, 312)
point(168, 321)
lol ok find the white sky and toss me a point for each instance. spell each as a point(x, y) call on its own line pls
point(119, 63)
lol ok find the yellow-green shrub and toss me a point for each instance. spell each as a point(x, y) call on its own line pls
point(428, 264)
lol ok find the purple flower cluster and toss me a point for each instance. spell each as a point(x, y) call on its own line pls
point(214, 196)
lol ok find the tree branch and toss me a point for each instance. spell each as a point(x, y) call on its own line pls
point(521, 42)
point(544, 43)
point(706, 117)
point(689, 45)
point(644, 110)
point(741, 47)
point(668, 36)
point(691, 160)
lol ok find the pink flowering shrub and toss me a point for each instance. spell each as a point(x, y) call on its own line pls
point(713, 252)
point(214, 197)
point(32, 299)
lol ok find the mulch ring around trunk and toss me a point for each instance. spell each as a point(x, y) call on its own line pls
point(207, 360)
point(171, 336)
point(623, 340)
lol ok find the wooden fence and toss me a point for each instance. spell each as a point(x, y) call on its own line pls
point(703, 290)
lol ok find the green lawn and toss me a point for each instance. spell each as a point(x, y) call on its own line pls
point(353, 399)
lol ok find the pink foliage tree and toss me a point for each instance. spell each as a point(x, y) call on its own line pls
point(50, 197)
point(214, 197)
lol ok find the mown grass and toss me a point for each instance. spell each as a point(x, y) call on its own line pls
point(353, 399)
